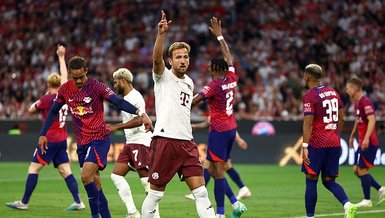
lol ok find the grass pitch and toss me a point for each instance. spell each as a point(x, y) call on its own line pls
point(276, 192)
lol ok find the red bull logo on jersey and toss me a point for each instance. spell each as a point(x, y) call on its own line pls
point(80, 110)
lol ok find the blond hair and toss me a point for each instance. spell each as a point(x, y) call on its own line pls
point(178, 45)
point(54, 80)
point(314, 70)
point(123, 73)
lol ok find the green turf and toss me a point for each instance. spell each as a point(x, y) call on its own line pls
point(276, 192)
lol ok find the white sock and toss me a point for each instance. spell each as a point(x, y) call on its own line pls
point(202, 202)
point(150, 202)
point(235, 205)
point(347, 204)
point(145, 184)
point(124, 191)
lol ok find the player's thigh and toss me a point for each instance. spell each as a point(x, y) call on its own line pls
point(139, 156)
point(194, 182)
point(95, 152)
point(330, 166)
point(366, 157)
point(61, 156)
point(191, 165)
point(34, 168)
point(120, 169)
point(88, 172)
point(45, 159)
point(316, 157)
point(220, 145)
point(165, 161)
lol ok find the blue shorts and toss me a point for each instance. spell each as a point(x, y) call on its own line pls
point(220, 145)
point(95, 152)
point(56, 152)
point(365, 159)
point(325, 160)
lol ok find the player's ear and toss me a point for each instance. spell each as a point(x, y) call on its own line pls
point(170, 61)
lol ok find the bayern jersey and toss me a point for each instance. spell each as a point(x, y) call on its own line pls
point(323, 103)
point(365, 108)
point(220, 95)
point(86, 106)
point(173, 98)
point(136, 135)
point(57, 132)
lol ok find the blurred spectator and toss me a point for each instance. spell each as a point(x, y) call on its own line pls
point(273, 42)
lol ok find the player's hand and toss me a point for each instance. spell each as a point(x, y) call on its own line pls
point(365, 144)
point(351, 142)
point(43, 144)
point(112, 128)
point(242, 143)
point(147, 122)
point(163, 24)
point(194, 126)
point(215, 27)
point(305, 156)
point(61, 51)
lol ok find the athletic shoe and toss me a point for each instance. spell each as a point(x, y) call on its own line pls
point(351, 211)
point(17, 205)
point(237, 212)
point(76, 206)
point(220, 216)
point(381, 195)
point(244, 192)
point(190, 197)
point(365, 203)
point(134, 215)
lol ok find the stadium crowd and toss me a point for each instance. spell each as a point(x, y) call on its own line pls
point(273, 41)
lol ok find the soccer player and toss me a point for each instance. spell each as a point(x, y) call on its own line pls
point(57, 141)
point(84, 97)
point(173, 149)
point(136, 151)
point(365, 123)
point(244, 191)
point(220, 95)
point(321, 148)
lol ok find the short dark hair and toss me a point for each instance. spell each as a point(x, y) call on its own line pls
point(356, 81)
point(219, 66)
point(314, 70)
point(77, 63)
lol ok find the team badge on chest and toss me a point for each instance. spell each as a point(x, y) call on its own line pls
point(87, 99)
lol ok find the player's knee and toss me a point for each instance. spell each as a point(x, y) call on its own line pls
point(311, 177)
point(200, 192)
point(34, 169)
point(64, 170)
point(86, 178)
point(326, 180)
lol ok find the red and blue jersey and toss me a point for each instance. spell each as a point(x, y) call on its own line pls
point(86, 106)
point(323, 103)
point(220, 95)
point(57, 132)
point(364, 108)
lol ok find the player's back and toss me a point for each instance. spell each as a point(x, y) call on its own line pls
point(57, 132)
point(323, 103)
point(220, 95)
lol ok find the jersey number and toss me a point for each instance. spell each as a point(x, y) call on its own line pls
point(229, 102)
point(135, 152)
point(63, 112)
point(331, 106)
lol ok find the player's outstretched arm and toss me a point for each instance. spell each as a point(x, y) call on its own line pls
point(61, 50)
point(137, 121)
point(32, 109)
point(216, 29)
point(157, 55)
point(200, 125)
point(130, 108)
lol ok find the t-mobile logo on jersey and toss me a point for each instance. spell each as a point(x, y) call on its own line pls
point(185, 98)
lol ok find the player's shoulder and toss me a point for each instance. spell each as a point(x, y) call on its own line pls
point(366, 100)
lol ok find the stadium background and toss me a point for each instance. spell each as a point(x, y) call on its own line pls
point(271, 41)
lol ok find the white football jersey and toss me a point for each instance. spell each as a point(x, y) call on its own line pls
point(173, 98)
point(137, 135)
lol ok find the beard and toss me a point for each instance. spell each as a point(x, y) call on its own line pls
point(120, 91)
